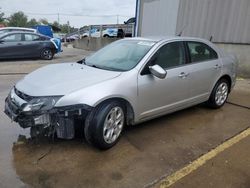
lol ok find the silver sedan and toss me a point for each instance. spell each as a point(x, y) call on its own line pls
point(125, 83)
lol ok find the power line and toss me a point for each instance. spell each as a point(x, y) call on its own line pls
point(69, 14)
point(29, 13)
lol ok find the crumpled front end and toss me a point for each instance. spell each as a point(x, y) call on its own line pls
point(41, 115)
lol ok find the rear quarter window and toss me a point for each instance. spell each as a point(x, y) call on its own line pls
point(30, 37)
point(200, 52)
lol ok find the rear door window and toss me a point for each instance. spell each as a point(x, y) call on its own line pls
point(30, 37)
point(200, 52)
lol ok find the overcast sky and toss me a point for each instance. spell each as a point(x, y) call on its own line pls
point(77, 12)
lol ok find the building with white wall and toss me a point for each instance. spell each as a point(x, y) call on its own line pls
point(226, 22)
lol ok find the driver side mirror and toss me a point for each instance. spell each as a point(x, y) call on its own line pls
point(1, 41)
point(158, 71)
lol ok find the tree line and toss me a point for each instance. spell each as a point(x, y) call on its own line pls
point(19, 19)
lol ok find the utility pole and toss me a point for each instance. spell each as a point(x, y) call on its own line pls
point(117, 19)
point(68, 27)
point(58, 18)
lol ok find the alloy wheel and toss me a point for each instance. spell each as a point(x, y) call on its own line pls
point(221, 93)
point(113, 125)
point(47, 54)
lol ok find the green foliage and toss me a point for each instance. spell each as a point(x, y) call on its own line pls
point(55, 23)
point(33, 22)
point(65, 28)
point(44, 21)
point(2, 17)
point(18, 19)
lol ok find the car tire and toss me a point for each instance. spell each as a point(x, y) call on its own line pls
point(47, 54)
point(106, 36)
point(104, 125)
point(219, 94)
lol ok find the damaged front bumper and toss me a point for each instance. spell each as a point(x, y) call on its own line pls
point(58, 119)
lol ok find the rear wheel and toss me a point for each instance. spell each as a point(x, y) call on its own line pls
point(47, 54)
point(104, 125)
point(219, 94)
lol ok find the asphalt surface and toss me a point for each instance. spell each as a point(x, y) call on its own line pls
point(146, 153)
point(230, 169)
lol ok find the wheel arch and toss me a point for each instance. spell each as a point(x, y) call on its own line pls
point(128, 108)
point(228, 78)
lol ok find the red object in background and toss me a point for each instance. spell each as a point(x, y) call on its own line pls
point(1, 25)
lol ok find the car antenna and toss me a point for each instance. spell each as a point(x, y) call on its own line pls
point(182, 31)
point(211, 38)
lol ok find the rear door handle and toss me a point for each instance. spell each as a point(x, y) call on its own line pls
point(183, 75)
point(19, 43)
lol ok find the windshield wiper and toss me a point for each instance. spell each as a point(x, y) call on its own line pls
point(82, 61)
point(92, 65)
point(100, 67)
point(106, 68)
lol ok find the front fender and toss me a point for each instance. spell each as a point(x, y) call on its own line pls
point(95, 94)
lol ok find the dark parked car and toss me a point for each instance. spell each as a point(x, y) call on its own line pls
point(130, 21)
point(26, 45)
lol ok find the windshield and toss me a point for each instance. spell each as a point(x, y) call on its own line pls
point(122, 55)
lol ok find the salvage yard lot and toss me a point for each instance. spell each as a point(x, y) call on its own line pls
point(146, 153)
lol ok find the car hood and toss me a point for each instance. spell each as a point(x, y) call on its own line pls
point(62, 79)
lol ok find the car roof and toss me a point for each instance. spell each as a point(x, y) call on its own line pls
point(21, 28)
point(24, 32)
point(162, 39)
point(168, 38)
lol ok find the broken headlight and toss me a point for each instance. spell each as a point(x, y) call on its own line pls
point(43, 103)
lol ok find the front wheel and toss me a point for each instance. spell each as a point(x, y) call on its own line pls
point(219, 94)
point(104, 125)
point(47, 54)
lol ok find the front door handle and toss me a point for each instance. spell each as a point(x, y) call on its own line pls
point(183, 75)
point(217, 66)
point(19, 43)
